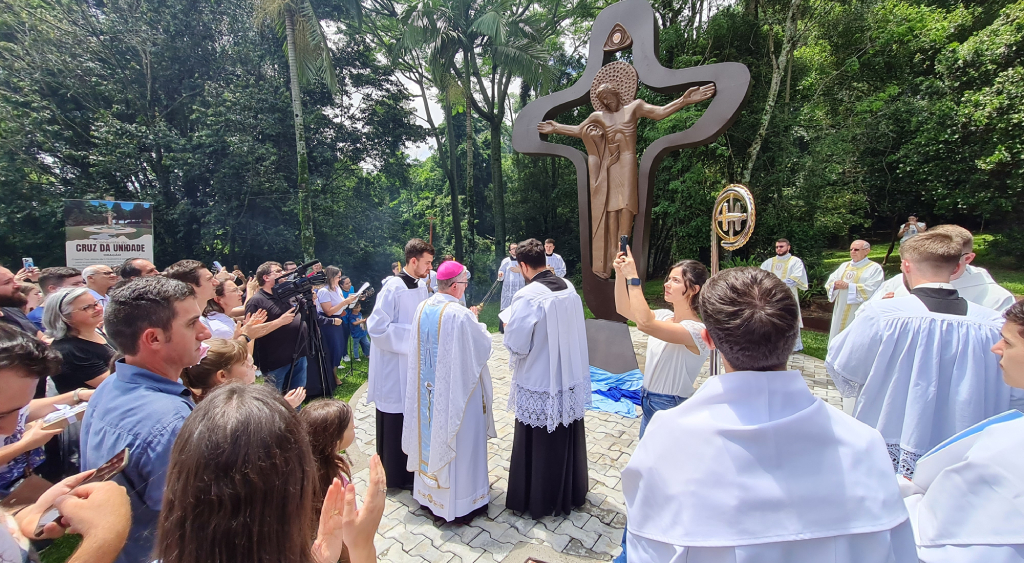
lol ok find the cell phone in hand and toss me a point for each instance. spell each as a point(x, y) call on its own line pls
point(623, 243)
point(217, 265)
point(105, 472)
point(28, 264)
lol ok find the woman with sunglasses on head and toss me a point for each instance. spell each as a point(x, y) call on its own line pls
point(73, 318)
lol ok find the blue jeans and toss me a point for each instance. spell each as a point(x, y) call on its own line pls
point(279, 375)
point(654, 402)
point(362, 342)
point(650, 403)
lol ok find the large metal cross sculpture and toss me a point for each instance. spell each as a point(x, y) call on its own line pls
point(612, 189)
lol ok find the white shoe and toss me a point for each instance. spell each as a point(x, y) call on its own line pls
point(359, 359)
point(345, 360)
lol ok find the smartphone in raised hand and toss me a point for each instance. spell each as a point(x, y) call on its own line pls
point(105, 472)
point(623, 243)
point(28, 264)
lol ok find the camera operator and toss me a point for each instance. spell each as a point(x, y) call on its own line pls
point(273, 353)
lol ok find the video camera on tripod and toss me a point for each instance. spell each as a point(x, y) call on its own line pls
point(298, 283)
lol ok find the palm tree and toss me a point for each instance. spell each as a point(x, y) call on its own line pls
point(309, 60)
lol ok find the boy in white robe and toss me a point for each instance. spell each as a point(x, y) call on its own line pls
point(852, 284)
point(966, 499)
point(555, 261)
point(791, 271)
point(448, 414)
point(390, 328)
point(973, 283)
point(920, 365)
point(511, 281)
point(753, 468)
point(550, 391)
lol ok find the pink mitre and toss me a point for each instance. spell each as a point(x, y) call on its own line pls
point(449, 270)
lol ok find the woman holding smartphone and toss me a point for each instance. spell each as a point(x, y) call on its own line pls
point(675, 350)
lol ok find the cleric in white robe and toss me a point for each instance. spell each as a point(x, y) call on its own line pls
point(550, 391)
point(554, 261)
point(510, 276)
point(973, 283)
point(966, 501)
point(791, 271)
point(852, 284)
point(753, 468)
point(390, 328)
point(920, 366)
point(448, 396)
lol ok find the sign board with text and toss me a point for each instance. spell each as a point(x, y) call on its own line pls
point(107, 232)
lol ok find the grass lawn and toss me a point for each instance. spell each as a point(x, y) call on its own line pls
point(815, 343)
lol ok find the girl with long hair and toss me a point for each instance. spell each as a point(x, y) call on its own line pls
point(227, 361)
point(332, 430)
point(241, 486)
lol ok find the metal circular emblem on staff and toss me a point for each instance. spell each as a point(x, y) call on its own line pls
point(732, 222)
point(734, 216)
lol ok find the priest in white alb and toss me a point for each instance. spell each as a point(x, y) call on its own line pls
point(966, 501)
point(448, 414)
point(753, 468)
point(511, 280)
point(852, 284)
point(920, 366)
point(550, 391)
point(390, 327)
point(791, 271)
point(973, 283)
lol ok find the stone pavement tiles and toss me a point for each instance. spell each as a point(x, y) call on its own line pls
point(407, 532)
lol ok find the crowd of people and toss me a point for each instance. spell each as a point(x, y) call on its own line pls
point(924, 465)
point(166, 365)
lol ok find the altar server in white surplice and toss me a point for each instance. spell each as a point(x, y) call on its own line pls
point(555, 261)
point(967, 498)
point(973, 283)
point(852, 284)
point(511, 280)
point(791, 271)
point(390, 327)
point(753, 468)
point(448, 401)
point(550, 391)
point(920, 366)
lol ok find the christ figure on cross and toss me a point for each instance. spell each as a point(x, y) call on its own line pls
point(610, 137)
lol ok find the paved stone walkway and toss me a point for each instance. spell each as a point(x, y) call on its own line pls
point(408, 532)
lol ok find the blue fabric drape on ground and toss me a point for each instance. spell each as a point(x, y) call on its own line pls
point(617, 393)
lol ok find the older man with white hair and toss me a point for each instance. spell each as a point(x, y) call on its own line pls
point(99, 279)
point(853, 283)
point(448, 401)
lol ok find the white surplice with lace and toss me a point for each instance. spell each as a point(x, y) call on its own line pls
point(919, 377)
point(547, 345)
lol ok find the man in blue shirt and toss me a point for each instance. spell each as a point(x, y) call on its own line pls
point(155, 323)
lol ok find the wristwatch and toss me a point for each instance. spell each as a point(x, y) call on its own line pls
point(633, 281)
point(75, 396)
point(247, 338)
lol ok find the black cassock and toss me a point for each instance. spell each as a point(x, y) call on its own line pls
point(389, 448)
point(548, 471)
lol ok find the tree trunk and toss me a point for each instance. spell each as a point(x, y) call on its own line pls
point(305, 205)
point(499, 190)
point(778, 69)
point(470, 192)
point(453, 181)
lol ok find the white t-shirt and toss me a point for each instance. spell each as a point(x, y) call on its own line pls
point(220, 325)
point(910, 230)
point(672, 369)
point(332, 298)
